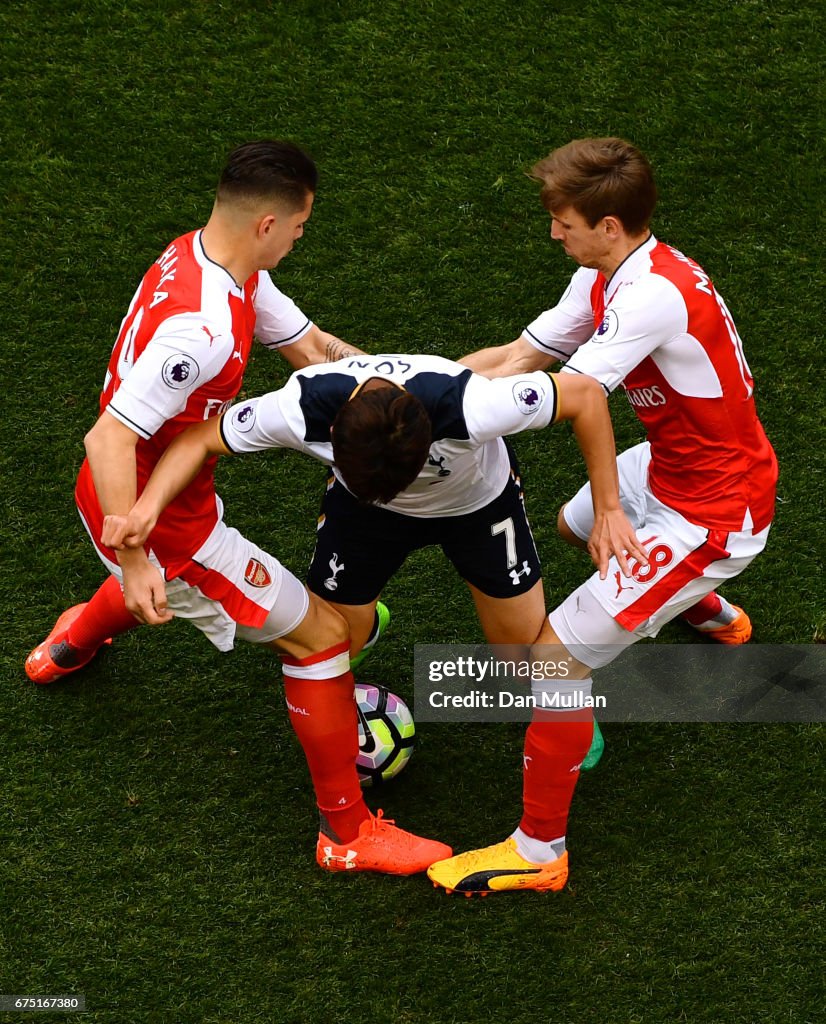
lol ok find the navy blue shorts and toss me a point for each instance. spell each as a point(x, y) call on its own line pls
point(359, 547)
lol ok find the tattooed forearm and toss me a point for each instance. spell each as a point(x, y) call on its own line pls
point(337, 349)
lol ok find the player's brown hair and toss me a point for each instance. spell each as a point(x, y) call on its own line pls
point(599, 178)
point(381, 439)
point(268, 169)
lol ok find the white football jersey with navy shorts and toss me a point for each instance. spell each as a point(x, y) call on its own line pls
point(468, 464)
point(467, 499)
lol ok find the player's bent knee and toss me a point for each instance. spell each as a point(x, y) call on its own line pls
point(331, 626)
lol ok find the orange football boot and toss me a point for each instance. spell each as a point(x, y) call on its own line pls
point(40, 666)
point(380, 846)
point(736, 632)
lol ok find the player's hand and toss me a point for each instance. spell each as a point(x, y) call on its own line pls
point(144, 590)
point(614, 535)
point(130, 531)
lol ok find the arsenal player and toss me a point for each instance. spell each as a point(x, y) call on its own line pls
point(700, 490)
point(179, 359)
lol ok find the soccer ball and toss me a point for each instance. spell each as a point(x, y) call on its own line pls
point(386, 734)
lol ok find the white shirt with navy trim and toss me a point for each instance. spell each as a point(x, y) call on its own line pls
point(468, 464)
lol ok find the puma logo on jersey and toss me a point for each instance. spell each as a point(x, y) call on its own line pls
point(620, 587)
point(209, 334)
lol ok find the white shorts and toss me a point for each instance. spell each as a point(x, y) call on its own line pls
point(686, 562)
point(232, 588)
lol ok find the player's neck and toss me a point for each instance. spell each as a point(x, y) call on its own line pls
point(222, 246)
point(619, 253)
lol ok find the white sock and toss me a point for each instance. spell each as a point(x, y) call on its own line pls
point(374, 633)
point(728, 613)
point(536, 850)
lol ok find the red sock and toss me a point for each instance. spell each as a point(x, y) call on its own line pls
point(555, 745)
point(322, 711)
point(105, 615)
point(708, 608)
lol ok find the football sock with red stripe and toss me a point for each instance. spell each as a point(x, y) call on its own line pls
point(709, 613)
point(105, 616)
point(555, 744)
point(319, 691)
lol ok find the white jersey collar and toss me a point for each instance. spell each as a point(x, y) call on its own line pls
point(633, 264)
point(210, 265)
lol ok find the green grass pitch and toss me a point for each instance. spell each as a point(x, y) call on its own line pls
point(156, 817)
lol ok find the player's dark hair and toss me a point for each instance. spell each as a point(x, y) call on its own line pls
point(381, 439)
point(599, 178)
point(269, 169)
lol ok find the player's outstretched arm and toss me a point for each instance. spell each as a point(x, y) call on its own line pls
point(582, 401)
point(176, 468)
point(516, 357)
point(317, 347)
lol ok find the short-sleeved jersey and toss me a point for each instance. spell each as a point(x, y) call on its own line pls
point(179, 358)
point(467, 466)
point(660, 329)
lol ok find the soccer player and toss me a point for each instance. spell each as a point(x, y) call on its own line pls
point(700, 491)
point(416, 444)
point(179, 359)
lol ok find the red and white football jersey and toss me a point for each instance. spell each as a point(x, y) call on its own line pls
point(180, 358)
point(660, 329)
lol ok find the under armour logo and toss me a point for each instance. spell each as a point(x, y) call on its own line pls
point(517, 574)
point(440, 462)
point(620, 587)
point(349, 860)
point(335, 568)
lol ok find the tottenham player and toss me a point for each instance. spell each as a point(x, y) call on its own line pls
point(700, 491)
point(418, 454)
point(179, 359)
point(416, 444)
